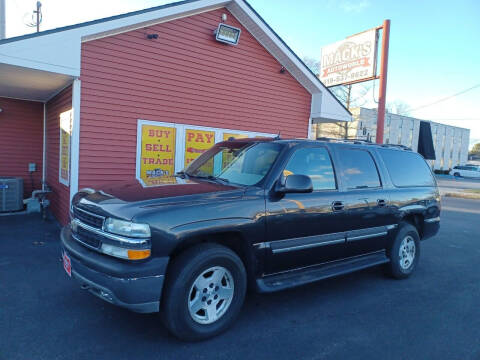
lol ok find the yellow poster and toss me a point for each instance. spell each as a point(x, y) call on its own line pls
point(196, 143)
point(157, 162)
point(227, 136)
point(228, 157)
point(65, 135)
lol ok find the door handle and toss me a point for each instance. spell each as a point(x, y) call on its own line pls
point(381, 202)
point(338, 206)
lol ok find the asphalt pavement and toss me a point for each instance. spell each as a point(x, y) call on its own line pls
point(432, 315)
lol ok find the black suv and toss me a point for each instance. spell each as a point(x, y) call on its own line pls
point(272, 214)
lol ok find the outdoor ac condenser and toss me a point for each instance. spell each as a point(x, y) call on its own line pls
point(11, 194)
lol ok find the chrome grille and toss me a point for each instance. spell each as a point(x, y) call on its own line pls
point(88, 218)
point(87, 237)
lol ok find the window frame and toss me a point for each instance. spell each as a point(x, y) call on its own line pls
point(313, 146)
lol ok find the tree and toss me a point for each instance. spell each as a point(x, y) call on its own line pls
point(475, 149)
point(312, 64)
point(398, 107)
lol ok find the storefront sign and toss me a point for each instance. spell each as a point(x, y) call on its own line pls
point(65, 136)
point(349, 60)
point(157, 159)
point(196, 143)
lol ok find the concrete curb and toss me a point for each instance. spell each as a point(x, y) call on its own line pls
point(462, 195)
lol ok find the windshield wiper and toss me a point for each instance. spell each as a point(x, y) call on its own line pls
point(206, 177)
point(211, 177)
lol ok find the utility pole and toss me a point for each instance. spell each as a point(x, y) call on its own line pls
point(38, 12)
point(2, 20)
point(349, 94)
point(383, 82)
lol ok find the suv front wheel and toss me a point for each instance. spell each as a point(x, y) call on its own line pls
point(204, 292)
point(404, 252)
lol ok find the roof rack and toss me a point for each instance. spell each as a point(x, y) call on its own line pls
point(404, 147)
point(363, 142)
point(354, 141)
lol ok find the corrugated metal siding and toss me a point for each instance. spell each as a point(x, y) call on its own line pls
point(60, 197)
point(184, 76)
point(21, 141)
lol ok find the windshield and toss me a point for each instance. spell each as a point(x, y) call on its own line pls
point(236, 162)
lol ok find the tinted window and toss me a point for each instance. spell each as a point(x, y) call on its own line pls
point(240, 163)
point(313, 162)
point(358, 169)
point(407, 168)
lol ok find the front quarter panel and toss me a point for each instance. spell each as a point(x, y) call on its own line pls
point(172, 225)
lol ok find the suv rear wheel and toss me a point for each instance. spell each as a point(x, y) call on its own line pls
point(204, 292)
point(404, 252)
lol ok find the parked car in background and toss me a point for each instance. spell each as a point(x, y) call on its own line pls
point(270, 214)
point(466, 171)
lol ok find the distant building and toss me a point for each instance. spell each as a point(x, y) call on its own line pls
point(450, 142)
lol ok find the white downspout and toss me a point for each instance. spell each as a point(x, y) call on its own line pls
point(44, 157)
point(75, 145)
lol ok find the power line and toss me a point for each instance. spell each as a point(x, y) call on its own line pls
point(447, 98)
point(458, 119)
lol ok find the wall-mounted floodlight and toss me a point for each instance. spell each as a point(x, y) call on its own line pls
point(227, 34)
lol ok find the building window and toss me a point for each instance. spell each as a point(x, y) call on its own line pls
point(166, 148)
point(65, 147)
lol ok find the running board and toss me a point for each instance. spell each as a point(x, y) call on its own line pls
point(307, 275)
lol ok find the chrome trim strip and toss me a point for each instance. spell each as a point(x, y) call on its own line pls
point(262, 245)
point(110, 236)
point(308, 246)
point(433, 220)
point(367, 236)
point(89, 213)
point(267, 244)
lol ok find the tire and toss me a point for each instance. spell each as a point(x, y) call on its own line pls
point(401, 264)
point(188, 276)
point(456, 174)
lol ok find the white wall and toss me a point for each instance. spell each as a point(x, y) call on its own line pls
point(450, 142)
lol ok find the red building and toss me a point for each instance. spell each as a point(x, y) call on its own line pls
point(142, 94)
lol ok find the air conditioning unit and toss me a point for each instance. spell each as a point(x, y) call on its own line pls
point(11, 194)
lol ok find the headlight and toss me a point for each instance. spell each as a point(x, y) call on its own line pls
point(126, 228)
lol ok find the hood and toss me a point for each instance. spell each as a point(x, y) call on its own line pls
point(127, 199)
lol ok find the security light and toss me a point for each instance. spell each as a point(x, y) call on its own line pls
point(227, 34)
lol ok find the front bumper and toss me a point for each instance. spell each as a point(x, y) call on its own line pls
point(136, 286)
point(430, 227)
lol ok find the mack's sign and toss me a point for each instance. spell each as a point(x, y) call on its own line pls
point(349, 60)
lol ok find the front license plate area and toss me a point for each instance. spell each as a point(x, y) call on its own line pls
point(67, 264)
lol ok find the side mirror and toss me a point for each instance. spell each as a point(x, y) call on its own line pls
point(295, 184)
